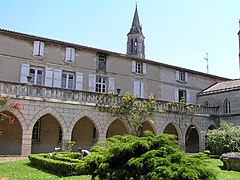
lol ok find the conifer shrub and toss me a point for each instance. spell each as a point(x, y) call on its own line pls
point(149, 157)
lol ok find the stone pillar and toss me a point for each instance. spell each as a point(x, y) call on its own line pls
point(202, 141)
point(101, 136)
point(65, 139)
point(26, 143)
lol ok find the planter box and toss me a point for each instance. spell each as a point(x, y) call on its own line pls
point(231, 162)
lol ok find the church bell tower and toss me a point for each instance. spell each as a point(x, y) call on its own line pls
point(135, 38)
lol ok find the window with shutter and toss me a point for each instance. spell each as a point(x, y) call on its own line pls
point(182, 76)
point(38, 48)
point(67, 80)
point(57, 78)
point(24, 73)
point(101, 84)
point(79, 81)
point(92, 83)
point(48, 77)
point(70, 54)
point(111, 84)
point(36, 75)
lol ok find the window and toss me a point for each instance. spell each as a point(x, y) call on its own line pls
point(207, 104)
point(70, 54)
point(67, 80)
point(36, 132)
point(227, 107)
point(102, 60)
point(138, 67)
point(182, 95)
point(135, 45)
point(36, 75)
point(179, 94)
point(101, 84)
point(138, 88)
point(38, 48)
point(182, 76)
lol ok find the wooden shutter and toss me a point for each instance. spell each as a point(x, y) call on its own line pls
point(133, 66)
point(186, 77)
point(92, 83)
point(144, 68)
point(68, 54)
point(48, 77)
point(36, 45)
point(57, 78)
point(41, 53)
point(188, 97)
point(142, 90)
point(177, 75)
point(79, 81)
point(24, 73)
point(111, 85)
point(72, 54)
point(136, 88)
point(176, 95)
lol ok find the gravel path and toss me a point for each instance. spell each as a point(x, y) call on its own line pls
point(4, 159)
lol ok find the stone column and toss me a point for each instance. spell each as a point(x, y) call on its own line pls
point(26, 143)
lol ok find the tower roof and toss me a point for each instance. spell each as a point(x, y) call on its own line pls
point(136, 27)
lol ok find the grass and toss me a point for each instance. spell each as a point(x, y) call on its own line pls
point(22, 170)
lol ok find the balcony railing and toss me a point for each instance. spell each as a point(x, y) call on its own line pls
point(22, 91)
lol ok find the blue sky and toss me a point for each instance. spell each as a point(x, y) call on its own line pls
point(176, 32)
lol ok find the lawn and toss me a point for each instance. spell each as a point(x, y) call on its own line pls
point(22, 170)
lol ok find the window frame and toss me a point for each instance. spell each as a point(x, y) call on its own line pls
point(36, 131)
point(102, 63)
point(66, 85)
point(227, 106)
point(38, 48)
point(101, 86)
point(34, 76)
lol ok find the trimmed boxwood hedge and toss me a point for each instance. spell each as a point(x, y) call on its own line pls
point(57, 163)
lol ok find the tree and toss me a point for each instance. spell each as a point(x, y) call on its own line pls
point(223, 140)
point(5, 107)
point(129, 108)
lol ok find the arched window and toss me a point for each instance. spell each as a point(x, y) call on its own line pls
point(131, 46)
point(135, 45)
point(227, 107)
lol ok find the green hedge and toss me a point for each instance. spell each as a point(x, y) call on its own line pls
point(56, 166)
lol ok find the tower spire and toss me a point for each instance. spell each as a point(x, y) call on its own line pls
point(135, 44)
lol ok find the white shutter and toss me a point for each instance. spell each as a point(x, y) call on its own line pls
point(79, 81)
point(142, 90)
point(176, 95)
point(144, 68)
point(186, 77)
point(133, 66)
point(57, 78)
point(36, 45)
point(41, 53)
point(92, 83)
point(136, 88)
point(68, 54)
point(48, 77)
point(24, 73)
point(73, 54)
point(188, 97)
point(177, 75)
point(111, 84)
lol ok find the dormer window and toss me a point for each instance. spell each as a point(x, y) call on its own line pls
point(182, 76)
point(70, 54)
point(38, 48)
point(102, 62)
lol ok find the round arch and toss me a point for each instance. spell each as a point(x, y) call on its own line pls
point(117, 127)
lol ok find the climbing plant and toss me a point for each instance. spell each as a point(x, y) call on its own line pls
point(6, 106)
point(129, 108)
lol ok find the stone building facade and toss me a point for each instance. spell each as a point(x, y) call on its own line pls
point(58, 84)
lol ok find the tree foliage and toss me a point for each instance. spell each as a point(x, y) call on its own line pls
point(148, 157)
point(131, 109)
point(223, 140)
